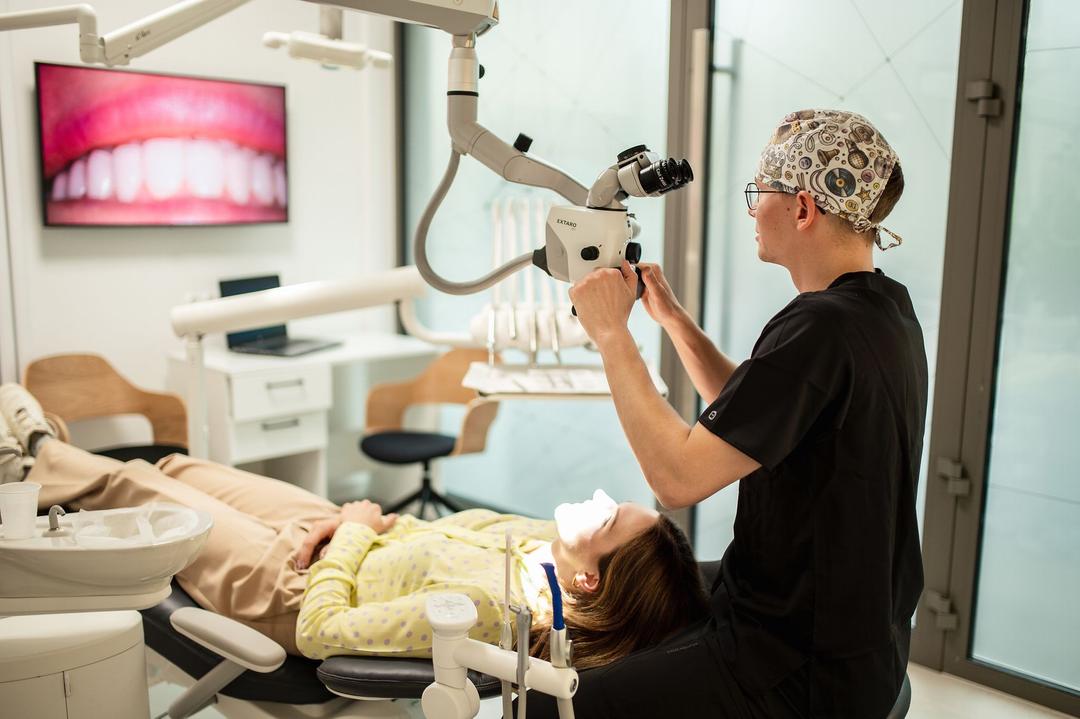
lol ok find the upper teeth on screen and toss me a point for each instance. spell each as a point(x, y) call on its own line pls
point(160, 169)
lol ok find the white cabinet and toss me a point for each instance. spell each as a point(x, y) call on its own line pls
point(257, 412)
point(277, 410)
point(73, 666)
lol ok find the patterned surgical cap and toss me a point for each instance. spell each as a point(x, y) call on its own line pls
point(839, 158)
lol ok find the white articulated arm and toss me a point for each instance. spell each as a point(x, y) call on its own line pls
point(132, 40)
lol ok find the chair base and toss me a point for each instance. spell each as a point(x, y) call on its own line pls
point(427, 496)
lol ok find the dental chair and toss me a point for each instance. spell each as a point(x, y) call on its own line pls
point(310, 688)
point(85, 386)
point(386, 440)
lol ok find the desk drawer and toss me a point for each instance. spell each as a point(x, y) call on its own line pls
point(265, 438)
point(284, 392)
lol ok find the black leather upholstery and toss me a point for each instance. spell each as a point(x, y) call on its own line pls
point(406, 447)
point(151, 452)
point(294, 682)
point(390, 678)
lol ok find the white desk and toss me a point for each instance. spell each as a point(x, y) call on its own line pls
point(289, 413)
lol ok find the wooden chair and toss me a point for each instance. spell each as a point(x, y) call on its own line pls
point(85, 386)
point(387, 441)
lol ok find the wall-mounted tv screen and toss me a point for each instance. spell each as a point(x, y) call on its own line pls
point(134, 148)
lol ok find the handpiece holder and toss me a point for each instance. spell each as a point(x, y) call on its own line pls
point(452, 695)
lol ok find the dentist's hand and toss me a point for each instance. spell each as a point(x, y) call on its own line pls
point(659, 300)
point(603, 300)
point(367, 513)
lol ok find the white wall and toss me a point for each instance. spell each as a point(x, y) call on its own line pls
point(109, 291)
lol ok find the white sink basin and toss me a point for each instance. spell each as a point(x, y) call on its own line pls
point(56, 571)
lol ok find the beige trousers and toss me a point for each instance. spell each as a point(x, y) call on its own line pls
point(245, 570)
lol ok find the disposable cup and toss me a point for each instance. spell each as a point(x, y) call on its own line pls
point(18, 509)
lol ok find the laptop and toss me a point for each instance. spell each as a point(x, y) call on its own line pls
point(266, 340)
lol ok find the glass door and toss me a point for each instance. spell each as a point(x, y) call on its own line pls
point(1003, 512)
point(1028, 574)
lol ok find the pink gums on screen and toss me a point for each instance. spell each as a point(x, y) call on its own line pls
point(124, 148)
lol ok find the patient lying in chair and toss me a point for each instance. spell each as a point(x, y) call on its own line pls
point(628, 574)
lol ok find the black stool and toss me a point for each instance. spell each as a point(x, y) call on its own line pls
point(405, 447)
point(387, 440)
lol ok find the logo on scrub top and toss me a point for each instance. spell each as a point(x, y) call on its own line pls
point(712, 415)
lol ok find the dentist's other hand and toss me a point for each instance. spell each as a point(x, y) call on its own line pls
point(367, 513)
point(603, 300)
point(659, 300)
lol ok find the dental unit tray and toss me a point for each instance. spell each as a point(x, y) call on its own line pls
point(560, 382)
point(100, 560)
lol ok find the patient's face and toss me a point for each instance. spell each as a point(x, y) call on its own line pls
point(591, 529)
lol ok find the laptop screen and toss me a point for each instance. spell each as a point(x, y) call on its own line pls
point(242, 286)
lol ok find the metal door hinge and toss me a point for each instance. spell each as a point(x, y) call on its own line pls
point(952, 471)
point(941, 606)
point(984, 94)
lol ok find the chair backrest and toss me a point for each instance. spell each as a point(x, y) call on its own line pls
point(85, 386)
point(439, 383)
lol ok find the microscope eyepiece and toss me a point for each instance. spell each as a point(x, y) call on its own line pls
point(665, 175)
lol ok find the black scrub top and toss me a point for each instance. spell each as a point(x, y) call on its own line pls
point(824, 570)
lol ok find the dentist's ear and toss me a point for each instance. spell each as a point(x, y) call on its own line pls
point(587, 581)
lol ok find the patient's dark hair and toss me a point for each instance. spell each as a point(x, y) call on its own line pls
point(649, 588)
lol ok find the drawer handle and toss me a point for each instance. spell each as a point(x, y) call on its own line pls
point(281, 424)
point(282, 384)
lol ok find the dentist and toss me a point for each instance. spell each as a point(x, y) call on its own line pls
point(823, 425)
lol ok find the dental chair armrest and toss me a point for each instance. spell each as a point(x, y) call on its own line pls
point(228, 638)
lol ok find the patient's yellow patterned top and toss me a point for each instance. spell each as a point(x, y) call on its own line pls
point(366, 596)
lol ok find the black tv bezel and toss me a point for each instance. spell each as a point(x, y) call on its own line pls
point(44, 190)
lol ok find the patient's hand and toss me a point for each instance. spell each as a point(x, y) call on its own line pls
point(321, 531)
point(369, 514)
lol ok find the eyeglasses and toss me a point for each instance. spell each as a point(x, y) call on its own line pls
point(752, 200)
point(752, 191)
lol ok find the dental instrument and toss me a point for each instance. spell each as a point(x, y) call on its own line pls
point(562, 648)
point(510, 231)
point(506, 636)
point(530, 292)
point(496, 291)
